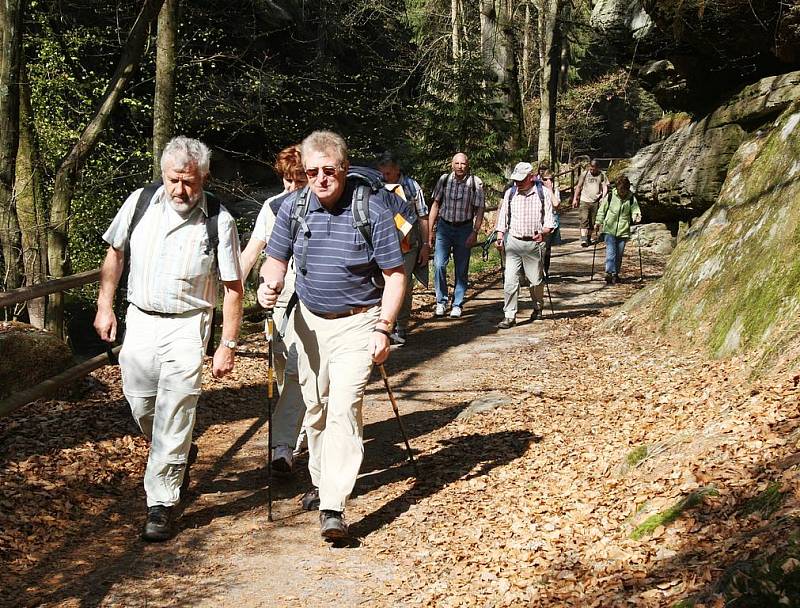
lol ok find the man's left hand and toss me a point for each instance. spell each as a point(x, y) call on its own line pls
point(223, 361)
point(471, 239)
point(378, 347)
point(424, 255)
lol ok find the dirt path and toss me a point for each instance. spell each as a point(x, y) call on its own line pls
point(226, 552)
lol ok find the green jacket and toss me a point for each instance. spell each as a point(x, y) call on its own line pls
point(615, 216)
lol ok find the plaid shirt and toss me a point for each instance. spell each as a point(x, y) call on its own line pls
point(172, 264)
point(526, 213)
point(459, 199)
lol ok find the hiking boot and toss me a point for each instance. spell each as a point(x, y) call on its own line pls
point(190, 460)
point(455, 312)
point(331, 524)
point(310, 500)
point(506, 324)
point(609, 278)
point(158, 526)
point(536, 313)
point(584, 242)
point(282, 459)
point(439, 312)
point(616, 279)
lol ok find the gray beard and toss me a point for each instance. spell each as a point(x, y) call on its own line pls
point(182, 209)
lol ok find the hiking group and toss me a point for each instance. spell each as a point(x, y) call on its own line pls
point(342, 246)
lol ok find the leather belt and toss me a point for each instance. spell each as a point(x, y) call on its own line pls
point(456, 224)
point(339, 315)
point(525, 238)
point(153, 313)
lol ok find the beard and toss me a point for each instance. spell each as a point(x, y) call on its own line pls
point(183, 207)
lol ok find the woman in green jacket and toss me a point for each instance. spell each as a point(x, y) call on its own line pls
point(614, 219)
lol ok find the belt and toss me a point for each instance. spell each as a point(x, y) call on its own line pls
point(525, 238)
point(338, 315)
point(153, 313)
point(469, 221)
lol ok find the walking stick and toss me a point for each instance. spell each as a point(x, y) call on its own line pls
point(639, 243)
point(268, 330)
point(399, 421)
point(547, 287)
point(594, 253)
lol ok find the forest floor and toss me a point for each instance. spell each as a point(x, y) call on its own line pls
point(616, 467)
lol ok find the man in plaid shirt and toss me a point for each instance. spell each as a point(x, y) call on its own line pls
point(458, 203)
point(523, 221)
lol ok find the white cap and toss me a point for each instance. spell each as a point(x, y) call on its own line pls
point(521, 171)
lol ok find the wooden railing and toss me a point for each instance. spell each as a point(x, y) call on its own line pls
point(47, 387)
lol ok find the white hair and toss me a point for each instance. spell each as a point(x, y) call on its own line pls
point(327, 142)
point(183, 152)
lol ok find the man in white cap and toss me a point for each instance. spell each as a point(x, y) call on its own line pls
point(523, 221)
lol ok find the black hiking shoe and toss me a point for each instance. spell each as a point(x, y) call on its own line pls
point(158, 526)
point(609, 278)
point(190, 460)
point(617, 279)
point(585, 242)
point(310, 500)
point(536, 313)
point(506, 324)
point(331, 525)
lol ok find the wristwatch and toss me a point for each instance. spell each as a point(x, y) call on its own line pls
point(232, 344)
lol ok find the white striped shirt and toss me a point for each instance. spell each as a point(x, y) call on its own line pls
point(526, 213)
point(172, 264)
point(459, 200)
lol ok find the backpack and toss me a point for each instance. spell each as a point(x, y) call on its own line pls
point(369, 182)
point(539, 191)
point(471, 179)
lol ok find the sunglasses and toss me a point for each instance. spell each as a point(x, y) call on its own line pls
point(327, 171)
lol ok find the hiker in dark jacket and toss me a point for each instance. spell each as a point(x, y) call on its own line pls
point(614, 219)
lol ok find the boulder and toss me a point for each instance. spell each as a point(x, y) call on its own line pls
point(28, 356)
point(629, 16)
point(655, 237)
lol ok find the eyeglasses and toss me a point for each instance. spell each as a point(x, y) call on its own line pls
point(328, 171)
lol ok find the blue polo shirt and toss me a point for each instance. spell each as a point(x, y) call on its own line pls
point(339, 266)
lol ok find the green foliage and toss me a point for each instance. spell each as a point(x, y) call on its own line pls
point(767, 502)
point(637, 455)
point(457, 113)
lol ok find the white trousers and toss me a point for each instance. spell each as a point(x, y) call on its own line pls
point(287, 418)
point(527, 256)
point(335, 365)
point(162, 362)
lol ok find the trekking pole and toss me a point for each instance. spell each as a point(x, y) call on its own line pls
point(639, 243)
point(268, 329)
point(399, 421)
point(594, 253)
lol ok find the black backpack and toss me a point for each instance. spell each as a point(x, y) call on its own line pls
point(539, 191)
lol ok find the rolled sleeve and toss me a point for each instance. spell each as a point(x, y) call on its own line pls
point(228, 252)
point(549, 217)
point(479, 201)
point(438, 191)
point(502, 213)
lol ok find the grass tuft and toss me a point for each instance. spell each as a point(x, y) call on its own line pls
point(767, 502)
point(666, 517)
point(637, 455)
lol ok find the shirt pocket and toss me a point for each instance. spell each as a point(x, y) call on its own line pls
point(355, 253)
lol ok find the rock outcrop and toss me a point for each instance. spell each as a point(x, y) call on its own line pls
point(28, 356)
point(733, 282)
point(682, 176)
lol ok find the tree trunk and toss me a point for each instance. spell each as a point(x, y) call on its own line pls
point(30, 204)
point(548, 78)
point(10, 60)
point(164, 102)
point(69, 170)
point(455, 21)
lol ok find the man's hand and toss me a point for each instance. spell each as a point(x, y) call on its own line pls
point(424, 254)
point(575, 203)
point(223, 361)
point(105, 324)
point(471, 239)
point(636, 218)
point(378, 347)
point(499, 243)
point(268, 293)
point(597, 228)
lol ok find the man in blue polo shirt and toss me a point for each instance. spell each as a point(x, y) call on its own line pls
point(343, 319)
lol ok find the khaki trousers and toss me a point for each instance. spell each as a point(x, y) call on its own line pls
point(526, 256)
point(334, 368)
point(162, 362)
point(287, 418)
